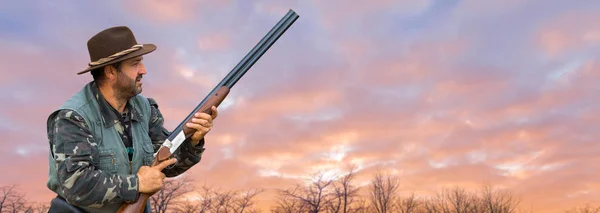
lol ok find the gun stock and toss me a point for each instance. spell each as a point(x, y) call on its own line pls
point(140, 204)
point(214, 98)
point(164, 153)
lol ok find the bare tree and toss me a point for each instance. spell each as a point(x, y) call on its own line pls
point(383, 192)
point(234, 200)
point(455, 200)
point(223, 200)
point(203, 204)
point(37, 208)
point(218, 200)
point(245, 200)
point(344, 194)
point(462, 201)
point(11, 200)
point(584, 209)
point(498, 201)
point(316, 196)
point(436, 204)
point(173, 189)
point(361, 205)
point(459, 200)
point(288, 204)
point(189, 207)
point(408, 204)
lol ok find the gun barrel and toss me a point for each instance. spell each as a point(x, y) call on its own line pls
point(264, 45)
point(246, 63)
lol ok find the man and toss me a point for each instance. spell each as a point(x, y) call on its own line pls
point(103, 138)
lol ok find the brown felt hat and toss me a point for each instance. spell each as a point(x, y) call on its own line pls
point(113, 45)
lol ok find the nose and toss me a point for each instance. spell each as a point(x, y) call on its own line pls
point(142, 69)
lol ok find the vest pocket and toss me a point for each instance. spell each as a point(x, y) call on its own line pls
point(148, 154)
point(107, 160)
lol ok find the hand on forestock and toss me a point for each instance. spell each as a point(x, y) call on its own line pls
point(151, 179)
point(202, 123)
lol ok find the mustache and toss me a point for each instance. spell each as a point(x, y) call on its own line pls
point(139, 77)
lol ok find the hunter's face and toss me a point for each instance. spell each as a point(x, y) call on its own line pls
point(129, 80)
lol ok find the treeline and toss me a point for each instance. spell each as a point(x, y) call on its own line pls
point(319, 195)
point(383, 195)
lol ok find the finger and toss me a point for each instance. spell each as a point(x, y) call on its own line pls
point(198, 127)
point(166, 163)
point(202, 115)
point(215, 112)
point(201, 122)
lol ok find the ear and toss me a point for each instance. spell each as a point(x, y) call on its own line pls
point(110, 72)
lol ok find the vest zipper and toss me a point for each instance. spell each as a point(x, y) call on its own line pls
point(130, 167)
point(112, 155)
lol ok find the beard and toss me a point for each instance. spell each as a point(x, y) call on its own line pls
point(126, 88)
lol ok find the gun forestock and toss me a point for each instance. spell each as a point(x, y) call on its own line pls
point(214, 100)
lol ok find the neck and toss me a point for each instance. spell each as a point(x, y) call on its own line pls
point(112, 97)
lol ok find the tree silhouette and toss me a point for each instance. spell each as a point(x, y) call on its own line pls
point(314, 197)
point(12, 201)
point(383, 192)
point(585, 209)
point(168, 195)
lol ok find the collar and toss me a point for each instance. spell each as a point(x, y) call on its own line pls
point(109, 114)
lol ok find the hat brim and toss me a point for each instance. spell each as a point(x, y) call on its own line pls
point(146, 48)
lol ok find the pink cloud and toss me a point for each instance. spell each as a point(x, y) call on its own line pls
point(568, 32)
point(170, 11)
point(214, 42)
point(473, 8)
point(333, 13)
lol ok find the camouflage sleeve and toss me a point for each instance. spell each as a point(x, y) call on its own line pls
point(187, 155)
point(80, 182)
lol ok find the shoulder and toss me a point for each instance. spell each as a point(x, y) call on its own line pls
point(68, 116)
point(142, 105)
point(80, 100)
point(152, 102)
point(155, 114)
point(66, 122)
point(76, 108)
point(65, 114)
point(154, 111)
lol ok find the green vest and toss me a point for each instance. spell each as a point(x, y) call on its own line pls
point(113, 156)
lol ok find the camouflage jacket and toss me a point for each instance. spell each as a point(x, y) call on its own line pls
point(75, 166)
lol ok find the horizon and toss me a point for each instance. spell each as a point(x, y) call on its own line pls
point(438, 93)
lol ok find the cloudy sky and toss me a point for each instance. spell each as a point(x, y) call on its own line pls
point(438, 92)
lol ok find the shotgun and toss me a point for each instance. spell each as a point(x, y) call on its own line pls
point(214, 98)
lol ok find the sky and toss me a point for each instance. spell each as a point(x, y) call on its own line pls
point(438, 92)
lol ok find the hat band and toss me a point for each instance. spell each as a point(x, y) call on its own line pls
point(116, 55)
